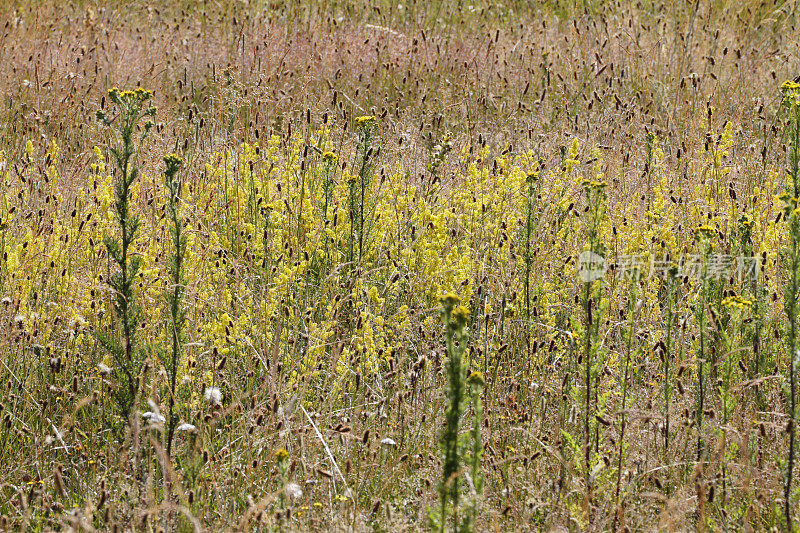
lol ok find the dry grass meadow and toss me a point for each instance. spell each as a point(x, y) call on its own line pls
point(322, 265)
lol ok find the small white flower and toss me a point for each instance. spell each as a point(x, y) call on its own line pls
point(103, 369)
point(154, 417)
point(388, 442)
point(293, 491)
point(213, 395)
point(76, 323)
point(189, 428)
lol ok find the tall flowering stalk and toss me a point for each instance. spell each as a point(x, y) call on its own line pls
point(670, 290)
point(455, 318)
point(475, 383)
point(359, 184)
point(791, 258)
point(128, 357)
point(735, 310)
point(703, 235)
point(592, 294)
point(177, 315)
point(629, 347)
point(533, 184)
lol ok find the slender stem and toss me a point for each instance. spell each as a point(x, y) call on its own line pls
point(628, 349)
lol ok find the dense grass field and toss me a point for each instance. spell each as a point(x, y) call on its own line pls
point(323, 265)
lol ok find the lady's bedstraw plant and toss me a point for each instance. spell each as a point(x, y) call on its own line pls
point(650, 139)
point(791, 259)
point(455, 318)
point(438, 155)
point(329, 167)
point(174, 296)
point(128, 356)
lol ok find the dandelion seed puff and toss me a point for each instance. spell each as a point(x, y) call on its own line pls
point(213, 395)
point(6, 300)
point(388, 442)
point(293, 491)
point(189, 428)
point(103, 369)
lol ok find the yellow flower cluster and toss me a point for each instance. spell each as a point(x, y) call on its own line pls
point(264, 249)
point(704, 233)
point(737, 302)
point(791, 92)
point(139, 95)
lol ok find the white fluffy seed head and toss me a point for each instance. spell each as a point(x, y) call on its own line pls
point(154, 417)
point(293, 491)
point(213, 395)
